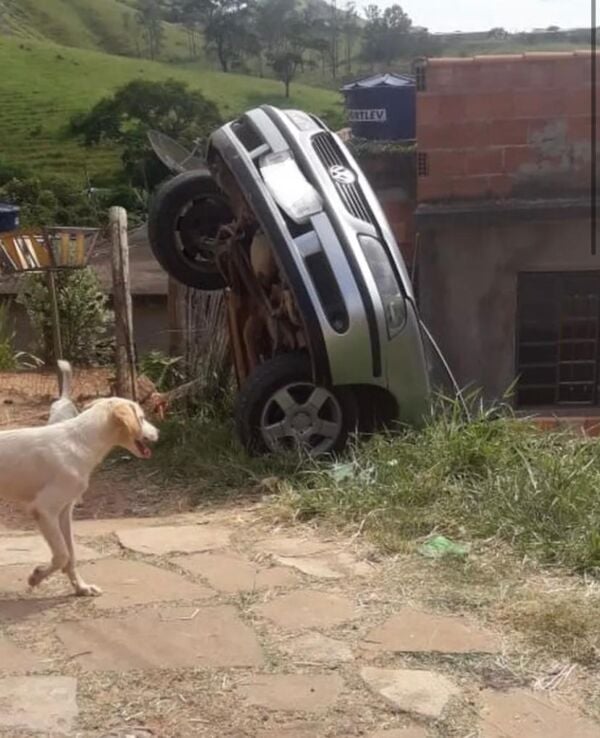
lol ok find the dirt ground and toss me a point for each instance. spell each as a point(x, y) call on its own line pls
point(222, 621)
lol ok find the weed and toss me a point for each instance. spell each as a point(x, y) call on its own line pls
point(564, 625)
point(201, 451)
point(490, 475)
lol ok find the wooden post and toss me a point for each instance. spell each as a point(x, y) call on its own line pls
point(175, 310)
point(126, 384)
point(56, 335)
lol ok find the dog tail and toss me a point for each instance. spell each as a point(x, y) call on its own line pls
point(65, 378)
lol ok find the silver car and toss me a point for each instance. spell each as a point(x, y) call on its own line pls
point(325, 331)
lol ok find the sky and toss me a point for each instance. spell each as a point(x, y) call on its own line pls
point(482, 15)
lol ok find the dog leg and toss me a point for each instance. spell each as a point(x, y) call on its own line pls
point(50, 529)
point(81, 588)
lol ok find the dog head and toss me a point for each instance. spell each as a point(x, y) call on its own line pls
point(134, 431)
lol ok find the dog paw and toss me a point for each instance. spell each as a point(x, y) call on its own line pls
point(37, 576)
point(88, 590)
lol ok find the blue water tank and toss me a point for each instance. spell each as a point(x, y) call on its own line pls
point(9, 217)
point(382, 107)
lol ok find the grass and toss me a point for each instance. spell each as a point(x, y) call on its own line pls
point(42, 85)
point(479, 479)
point(87, 24)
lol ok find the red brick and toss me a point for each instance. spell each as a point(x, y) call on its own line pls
point(407, 249)
point(509, 132)
point(399, 230)
point(440, 79)
point(484, 161)
point(546, 424)
point(591, 427)
point(447, 162)
point(490, 106)
point(454, 135)
point(452, 107)
point(470, 187)
point(578, 102)
point(544, 73)
point(428, 109)
point(515, 157)
point(539, 103)
point(467, 134)
point(430, 189)
point(398, 210)
point(500, 186)
point(580, 128)
point(431, 136)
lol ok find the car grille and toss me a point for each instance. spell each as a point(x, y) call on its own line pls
point(352, 196)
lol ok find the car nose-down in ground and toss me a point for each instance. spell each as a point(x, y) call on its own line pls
point(325, 332)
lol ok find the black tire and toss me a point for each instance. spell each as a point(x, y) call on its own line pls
point(273, 376)
point(185, 214)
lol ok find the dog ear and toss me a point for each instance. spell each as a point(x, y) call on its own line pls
point(125, 416)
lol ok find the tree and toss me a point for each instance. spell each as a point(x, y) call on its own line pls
point(498, 33)
point(126, 117)
point(149, 17)
point(228, 30)
point(285, 64)
point(350, 32)
point(286, 50)
point(387, 35)
point(189, 15)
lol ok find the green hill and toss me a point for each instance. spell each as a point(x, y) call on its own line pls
point(43, 84)
point(103, 25)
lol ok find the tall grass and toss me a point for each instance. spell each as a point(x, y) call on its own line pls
point(490, 475)
point(486, 476)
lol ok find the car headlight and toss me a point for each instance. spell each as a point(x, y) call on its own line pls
point(289, 187)
point(387, 283)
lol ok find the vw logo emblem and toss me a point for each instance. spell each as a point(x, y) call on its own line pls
point(341, 175)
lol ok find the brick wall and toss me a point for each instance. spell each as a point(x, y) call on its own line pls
point(401, 217)
point(505, 126)
point(392, 176)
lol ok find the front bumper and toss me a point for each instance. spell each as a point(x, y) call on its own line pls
point(326, 268)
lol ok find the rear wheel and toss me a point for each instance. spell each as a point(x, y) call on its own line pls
point(280, 408)
point(184, 220)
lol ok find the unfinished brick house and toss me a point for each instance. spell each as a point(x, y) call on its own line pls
point(508, 283)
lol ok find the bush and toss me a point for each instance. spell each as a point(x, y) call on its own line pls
point(7, 353)
point(85, 320)
point(50, 201)
point(133, 110)
point(164, 371)
point(9, 171)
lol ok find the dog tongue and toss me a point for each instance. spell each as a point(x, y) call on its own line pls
point(143, 449)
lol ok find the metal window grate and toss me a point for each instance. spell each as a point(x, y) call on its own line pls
point(329, 153)
point(422, 164)
point(558, 338)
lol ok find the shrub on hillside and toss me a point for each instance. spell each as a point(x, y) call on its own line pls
point(139, 106)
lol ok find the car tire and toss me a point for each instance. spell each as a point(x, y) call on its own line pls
point(184, 218)
point(317, 418)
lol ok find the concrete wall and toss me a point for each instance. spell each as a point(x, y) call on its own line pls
point(508, 126)
point(468, 289)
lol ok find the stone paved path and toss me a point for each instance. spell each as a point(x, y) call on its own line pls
point(213, 625)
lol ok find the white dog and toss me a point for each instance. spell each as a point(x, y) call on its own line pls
point(48, 469)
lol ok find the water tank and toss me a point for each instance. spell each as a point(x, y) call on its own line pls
point(382, 107)
point(9, 217)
